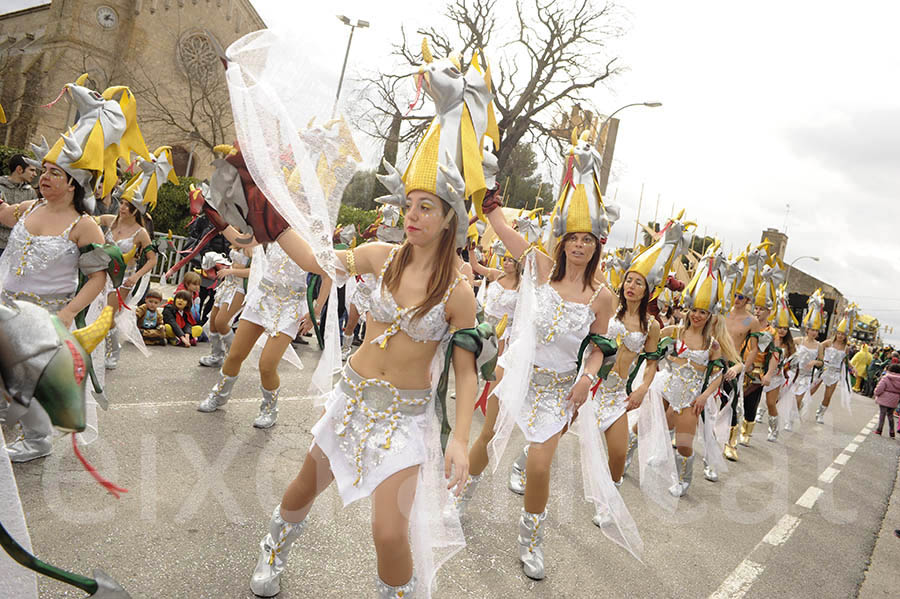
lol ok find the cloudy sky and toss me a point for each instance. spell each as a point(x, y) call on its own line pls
point(765, 104)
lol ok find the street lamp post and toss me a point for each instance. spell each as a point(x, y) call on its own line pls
point(610, 141)
point(353, 25)
point(791, 266)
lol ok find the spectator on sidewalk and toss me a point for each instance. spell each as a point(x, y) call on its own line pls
point(181, 326)
point(887, 396)
point(150, 319)
point(16, 188)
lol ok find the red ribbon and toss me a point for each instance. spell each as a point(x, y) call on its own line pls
point(482, 401)
point(415, 101)
point(122, 303)
point(109, 486)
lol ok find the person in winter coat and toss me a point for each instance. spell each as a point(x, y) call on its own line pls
point(887, 396)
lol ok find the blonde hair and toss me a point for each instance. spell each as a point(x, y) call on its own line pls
point(714, 328)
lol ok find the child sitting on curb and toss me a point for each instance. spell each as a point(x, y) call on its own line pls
point(181, 326)
point(150, 319)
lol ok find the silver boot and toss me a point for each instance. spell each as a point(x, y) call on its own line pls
point(709, 473)
point(820, 414)
point(685, 467)
point(113, 349)
point(37, 440)
point(531, 539)
point(404, 591)
point(346, 346)
point(219, 395)
point(761, 413)
point(773, 429)
point(602, 515)
point(274, 550)
point(226, 341)
point(518, 476)
point(268, 409)
point(456, 505)
point(629, 454)
point(216, 356)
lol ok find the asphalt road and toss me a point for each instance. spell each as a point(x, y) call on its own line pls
point(202, 487)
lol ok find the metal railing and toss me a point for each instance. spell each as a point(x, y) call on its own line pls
point(170, 257)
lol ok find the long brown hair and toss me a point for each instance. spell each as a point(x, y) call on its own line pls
point(642, 309)
point(788, 340)
point(559, 262)
point(442, 276)
point(518, 271)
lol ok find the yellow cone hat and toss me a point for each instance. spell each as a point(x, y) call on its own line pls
point(656, 262)
point(783, 317)
point(848, 321)
point(814, 316)
point(705, 290)
point(580, 208)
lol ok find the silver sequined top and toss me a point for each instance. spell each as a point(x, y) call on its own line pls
point(833, 358)
point(282, 271)
point(41, 265)
point(384, 309)
point(500, 301)
point(633, 340)
point(561, 326)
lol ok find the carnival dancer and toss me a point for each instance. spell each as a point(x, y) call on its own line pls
point(232, 274)
point(688, 385)
point(778, 377)
point(379, 436)
point(131, 230)
point(53, 239)
point(561, 308)
point(744, 330)
point(500, 295)
point(810, 353)
point(764, 302)
point(276, 306)
point(836, 368)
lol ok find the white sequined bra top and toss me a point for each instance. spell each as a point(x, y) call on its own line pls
point(697, 356)
point(432, 326)
point(834, 357)
point(42, 265)
point(805, 355)
point(500, 301)
point(633, 340)
point(125, 245)
point(561, 326)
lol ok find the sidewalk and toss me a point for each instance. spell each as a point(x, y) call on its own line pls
point(882, 577)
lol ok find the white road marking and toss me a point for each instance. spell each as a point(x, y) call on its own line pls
point(842, 459)
point(782, 530)
point(180, 403)
point(851, 447)
point(859, 438)
point(828, 474)
point(738, 582)
point(809, 497)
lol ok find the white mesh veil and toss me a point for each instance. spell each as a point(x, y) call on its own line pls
point(302, 170)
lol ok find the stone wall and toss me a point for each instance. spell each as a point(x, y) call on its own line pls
point(150, 47)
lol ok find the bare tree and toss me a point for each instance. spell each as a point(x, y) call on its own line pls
point(556, 56)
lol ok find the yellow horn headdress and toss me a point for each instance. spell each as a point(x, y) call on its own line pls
point(450, 161)
point(580, 208)
point(814, 316)
point(141, 190)
point(705, 290)
point(848, 321)
point(105, 131)
point(656, 262)
point(783, 317)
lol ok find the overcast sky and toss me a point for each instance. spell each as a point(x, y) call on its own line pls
point(764, 104)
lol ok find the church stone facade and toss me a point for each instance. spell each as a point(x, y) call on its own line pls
point(165, 50)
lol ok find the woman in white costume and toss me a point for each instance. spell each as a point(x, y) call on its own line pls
point(835, 370)
point(810, 354)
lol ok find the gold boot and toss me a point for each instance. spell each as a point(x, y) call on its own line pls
point(746, 432)
point(730, 451)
